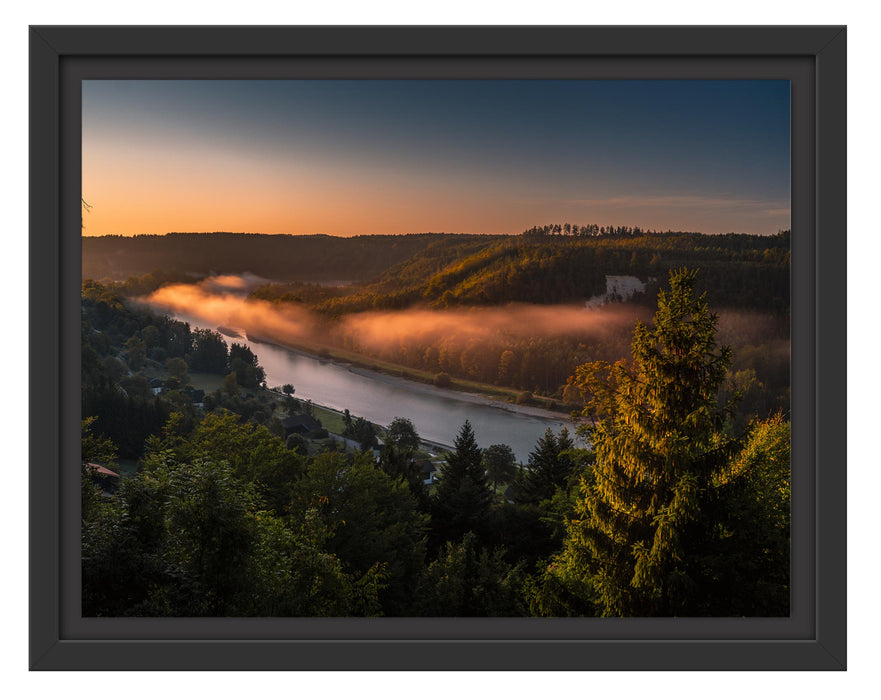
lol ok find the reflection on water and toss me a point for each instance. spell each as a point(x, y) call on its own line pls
point(381, 399)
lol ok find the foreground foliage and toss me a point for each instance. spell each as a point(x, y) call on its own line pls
point(660, 526)
point(674, 510)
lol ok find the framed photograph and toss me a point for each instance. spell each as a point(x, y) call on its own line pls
point(421, 348)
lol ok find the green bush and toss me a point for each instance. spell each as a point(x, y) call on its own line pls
point(524, 397)
point(442, 379)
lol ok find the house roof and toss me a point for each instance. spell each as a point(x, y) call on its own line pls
point(301, 421)
point(101, 470)
point(427, 466)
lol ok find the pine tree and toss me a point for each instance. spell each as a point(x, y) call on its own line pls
point(658, 443)
point(547, 469)
point(463, 497)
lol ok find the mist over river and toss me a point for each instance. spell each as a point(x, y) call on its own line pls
point(437, 414)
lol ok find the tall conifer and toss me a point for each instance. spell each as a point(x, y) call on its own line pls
point(658, 443)
point(463, 497)
point(549, 467)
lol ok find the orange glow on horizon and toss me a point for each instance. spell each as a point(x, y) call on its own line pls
point(131, 194)
point(353, 157)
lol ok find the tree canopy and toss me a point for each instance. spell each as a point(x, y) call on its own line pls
point(671, 508)
point(500, 464)
point(463, 498)
point(402, 434)
point(548, 468)
point(645, 523)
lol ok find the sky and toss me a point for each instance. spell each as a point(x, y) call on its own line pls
point(350, 157)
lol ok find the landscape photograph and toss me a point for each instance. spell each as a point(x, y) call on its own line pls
point(435, 348)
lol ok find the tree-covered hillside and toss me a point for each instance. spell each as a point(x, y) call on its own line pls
point(567, 265)
point(737, 270)
point(278, 257)
point(444, 270)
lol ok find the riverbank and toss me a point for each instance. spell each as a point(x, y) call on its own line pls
point(367, 367)
point(334, 381)
point(441, 392)
point(332, 419)
point(505, 397)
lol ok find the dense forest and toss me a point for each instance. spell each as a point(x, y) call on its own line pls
point(679, 507)
point(543, 265)
point(745, 277)
point(278, 257)
point(740, 271)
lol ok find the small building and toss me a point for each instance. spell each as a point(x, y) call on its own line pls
point(156, 385)
point(301, 424)
point(428, 470)
point(103, 477)
point(101, 471)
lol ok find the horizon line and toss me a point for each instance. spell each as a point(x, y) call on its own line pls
point(410, 233)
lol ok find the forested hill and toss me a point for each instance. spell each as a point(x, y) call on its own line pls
point(279, 257)
point(737, 270)
point(444, 270)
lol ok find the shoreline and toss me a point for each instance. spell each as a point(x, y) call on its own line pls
point(424, 388)
point(354, 366)
point(431, 390)
point(433, 445)
point(421, 387)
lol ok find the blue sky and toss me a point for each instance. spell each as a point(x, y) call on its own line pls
point(348, 157)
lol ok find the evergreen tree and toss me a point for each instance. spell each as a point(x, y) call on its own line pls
point(747, 561)
point(548, 468)
point(658, 443)
point(463, 497)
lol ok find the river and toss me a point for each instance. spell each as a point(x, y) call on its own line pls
point(437, 415)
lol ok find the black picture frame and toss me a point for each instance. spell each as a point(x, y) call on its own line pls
point(813, 58)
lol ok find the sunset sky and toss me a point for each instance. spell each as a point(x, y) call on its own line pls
point(348, 157)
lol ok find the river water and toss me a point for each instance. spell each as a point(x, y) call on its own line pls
point(437, 416)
